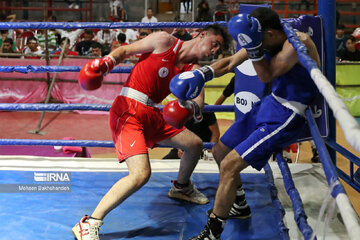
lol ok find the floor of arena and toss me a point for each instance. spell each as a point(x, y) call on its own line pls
point(153, 215)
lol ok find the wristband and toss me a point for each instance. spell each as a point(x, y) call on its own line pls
point(198, 117)
point(255, 54)
point(207, 72)
point(110, 62)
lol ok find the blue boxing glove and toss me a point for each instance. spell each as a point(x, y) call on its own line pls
point(188, 85)
point(246, 30)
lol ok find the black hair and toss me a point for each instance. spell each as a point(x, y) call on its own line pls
point(121, 37)
point(9, 40)
point(217, 29)
point(63, 39)
point(31, 38)
point(351, 37)
point(88, 31)
point(96, 45)
point(143, 34)
point(4, 31)
point(268, 19)
point(340, 26)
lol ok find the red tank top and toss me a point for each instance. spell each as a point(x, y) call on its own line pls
point(152, 73)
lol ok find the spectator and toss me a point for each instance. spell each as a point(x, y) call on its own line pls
point(8, 46)
point(350, 53)
point(222, 8)
point(143, 35)
point(83, 47)
point(117, 11)
point(8, 18)
point(149, 18)
point(356, 35)
point(32, 49)
point(340, 40)
point(96, 50)
point(65, 43)
point(72, 35)
point(121, 41)
point(130, 35)
point(182, 34)
point(4, 36)
point(207, 130)
point(74, 5)
point(203, 12)
point(186, 4)
point(40, 36)
point(106, 37)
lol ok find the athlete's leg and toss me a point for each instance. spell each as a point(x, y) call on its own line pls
point(182, 188)
point(191, 144)
point(230, 168)
point(139, 174)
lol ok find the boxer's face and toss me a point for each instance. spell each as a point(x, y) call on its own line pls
point(210, 44)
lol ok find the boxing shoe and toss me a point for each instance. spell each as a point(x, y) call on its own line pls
point(212, 230)
point(188, 193)
point(240, 209)
point(87, 229)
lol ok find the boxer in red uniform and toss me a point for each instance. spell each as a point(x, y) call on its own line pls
point(137, 125)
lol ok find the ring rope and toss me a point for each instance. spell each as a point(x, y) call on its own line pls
point(52, 107)
point(276, 202)
point(347, 122)
point(43, 69)
point(103, 25)
point(297, 205)
point(76, 143)
point(319, 79)
point(347, 212)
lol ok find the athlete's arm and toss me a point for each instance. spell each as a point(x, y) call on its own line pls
point(200, 98)
point(157, 42)
point(228, 64)
point(285, 60)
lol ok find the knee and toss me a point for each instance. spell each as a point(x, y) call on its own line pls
point(140, 178)
point(228, 168)
point(195, 145)
point(217, 153)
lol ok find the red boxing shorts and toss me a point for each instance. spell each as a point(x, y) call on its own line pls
point(136, 126)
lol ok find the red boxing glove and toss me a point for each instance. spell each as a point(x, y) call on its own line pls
point(92, 73)
point(177, 115)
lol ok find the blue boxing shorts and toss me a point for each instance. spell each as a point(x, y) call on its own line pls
point(268, 127)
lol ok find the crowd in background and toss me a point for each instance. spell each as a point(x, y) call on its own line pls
point(99, 42)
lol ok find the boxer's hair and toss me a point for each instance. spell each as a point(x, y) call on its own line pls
point(268, 19)
point(217, 29)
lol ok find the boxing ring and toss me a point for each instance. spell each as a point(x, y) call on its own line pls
point(43, 197)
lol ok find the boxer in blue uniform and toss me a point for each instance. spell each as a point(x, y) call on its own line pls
point(272, 124)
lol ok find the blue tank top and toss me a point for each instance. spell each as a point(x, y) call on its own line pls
point(295, 85)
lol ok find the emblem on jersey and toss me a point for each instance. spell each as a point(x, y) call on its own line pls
point(163, 72)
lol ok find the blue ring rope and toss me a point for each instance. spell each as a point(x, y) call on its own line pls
point(43, 69)
point(52, 107)
point(284, 231)
point(103, 25)
point(329, 168)
point(310, 64)
point(299, 47)
point(297, 205)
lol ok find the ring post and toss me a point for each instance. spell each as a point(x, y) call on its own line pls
point(37, 130)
